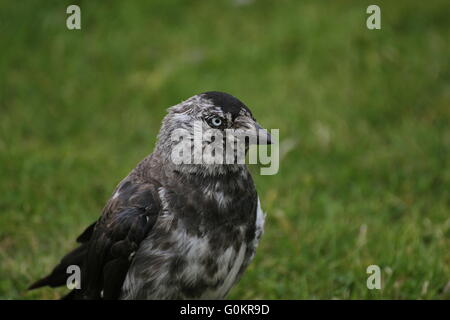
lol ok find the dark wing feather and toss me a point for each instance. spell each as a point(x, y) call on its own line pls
point(109, 244)
point(87, 234)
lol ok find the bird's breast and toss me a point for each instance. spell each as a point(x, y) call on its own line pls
point(179, 265)
point(198, 247)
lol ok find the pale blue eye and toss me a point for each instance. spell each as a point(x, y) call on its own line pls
point(216, 122)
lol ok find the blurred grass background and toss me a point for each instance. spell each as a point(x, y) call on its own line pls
point(364, 119)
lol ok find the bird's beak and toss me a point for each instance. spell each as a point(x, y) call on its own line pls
point(252, 132)
point(263, 136)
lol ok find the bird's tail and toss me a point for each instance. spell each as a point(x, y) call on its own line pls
point(58, 277)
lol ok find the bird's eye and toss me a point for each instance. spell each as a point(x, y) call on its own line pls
point(216, 122)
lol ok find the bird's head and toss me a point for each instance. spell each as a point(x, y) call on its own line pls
point(224, 125)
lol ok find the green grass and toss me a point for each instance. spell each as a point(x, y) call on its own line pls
point(368, 112)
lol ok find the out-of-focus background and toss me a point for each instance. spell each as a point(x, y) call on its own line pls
point(364, 119)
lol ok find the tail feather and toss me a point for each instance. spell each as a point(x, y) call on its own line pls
point(58, 277)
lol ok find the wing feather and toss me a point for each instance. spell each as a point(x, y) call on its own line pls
point(108, 245)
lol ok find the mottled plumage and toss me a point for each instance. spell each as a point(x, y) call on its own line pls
point(185, 231)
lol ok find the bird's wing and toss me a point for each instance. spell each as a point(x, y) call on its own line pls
point(108, 245)
point(127, 219)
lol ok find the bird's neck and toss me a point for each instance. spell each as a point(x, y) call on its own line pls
point(162, 168)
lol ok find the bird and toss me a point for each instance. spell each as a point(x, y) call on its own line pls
point(173, 230)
